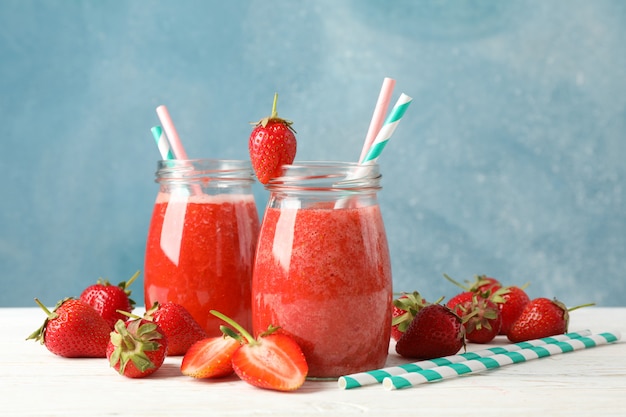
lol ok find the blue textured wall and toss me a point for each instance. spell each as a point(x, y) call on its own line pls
point(509, 162)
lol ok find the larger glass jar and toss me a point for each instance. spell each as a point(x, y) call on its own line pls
point(202, 238)
point(322, 270)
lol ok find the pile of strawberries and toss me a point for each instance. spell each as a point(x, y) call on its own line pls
point(100, 324)
point(483, 310)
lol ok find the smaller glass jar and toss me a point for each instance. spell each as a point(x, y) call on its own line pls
point(322, 268)
point(202, 238)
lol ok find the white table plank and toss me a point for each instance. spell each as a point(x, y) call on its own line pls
point(33, 382)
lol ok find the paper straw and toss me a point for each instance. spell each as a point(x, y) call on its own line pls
point(496, 361)
point(388, 128)
point(377, 376)
point(170, 131)
point(162, 143)
point(384, 98)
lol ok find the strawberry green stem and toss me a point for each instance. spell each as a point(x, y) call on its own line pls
point(581, 306)
point(236, 325)
point(274, 112)
point(458, 284)
point(131, 279)
point(49, 313)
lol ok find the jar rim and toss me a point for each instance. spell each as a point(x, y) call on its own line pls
point(327, 176)
point(189, 169)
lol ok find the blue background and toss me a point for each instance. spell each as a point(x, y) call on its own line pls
point(510, 161)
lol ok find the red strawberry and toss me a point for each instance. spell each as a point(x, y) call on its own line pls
point(460, 299)
point(404, 310)
point(181, 329)
point(210, 358)
point(107, 299)
point(511, 301)
point(137, 347)
point(272, 144)
point(540, 318)
point(480, 316)
point(73, 330)
point(482, 284)
point(435, 331)
point(271, 361)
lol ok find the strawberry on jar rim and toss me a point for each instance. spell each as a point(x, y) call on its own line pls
point(271, 145)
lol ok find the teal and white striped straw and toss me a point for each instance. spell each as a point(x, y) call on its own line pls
point(162, 143)
point(387, 129)
point(377, 376)
point(496, 361)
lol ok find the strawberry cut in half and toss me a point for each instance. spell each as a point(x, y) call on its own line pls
point(271, 361)
point(210, 358)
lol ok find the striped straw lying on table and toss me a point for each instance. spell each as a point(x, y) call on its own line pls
point(412, 374)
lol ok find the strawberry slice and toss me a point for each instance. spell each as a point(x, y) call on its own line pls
point(271, 361)
point(274, 361)
point(210, 358)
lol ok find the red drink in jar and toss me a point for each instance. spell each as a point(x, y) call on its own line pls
point(202, 238)
point(322, 270)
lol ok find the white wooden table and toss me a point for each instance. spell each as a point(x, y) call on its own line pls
point(34, 382)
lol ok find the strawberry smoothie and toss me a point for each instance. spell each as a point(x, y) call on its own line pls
point(324, 276)
point(199, 253)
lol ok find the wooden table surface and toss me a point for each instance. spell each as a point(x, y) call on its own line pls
point(34, 382)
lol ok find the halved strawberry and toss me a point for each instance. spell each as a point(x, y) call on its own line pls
point(210, 357)
point(271, 361)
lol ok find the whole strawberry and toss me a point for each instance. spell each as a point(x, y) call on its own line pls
point(480, 316)
point(107, 299)
point(540, 318)
point(271, 145)
point(404, 310)
point(73, 330)
point(137, 347)
point(511, 302)
point(482, 285)
point(435, 331)
point(181, 329)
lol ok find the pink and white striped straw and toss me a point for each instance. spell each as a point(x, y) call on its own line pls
point(171, 133)
point(384, 98)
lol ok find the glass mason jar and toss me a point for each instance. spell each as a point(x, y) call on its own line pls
point(322, 269)
point(202, 238)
